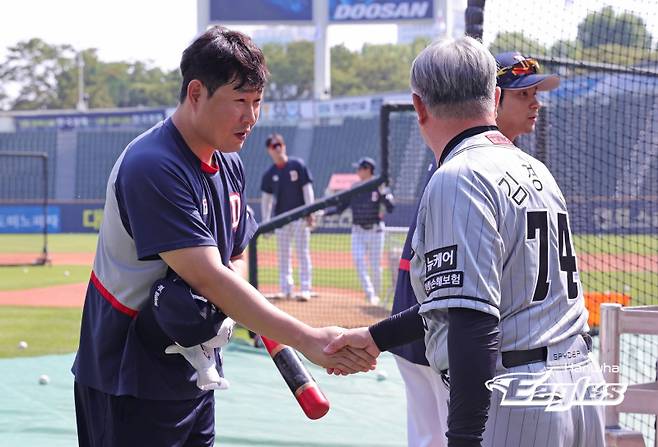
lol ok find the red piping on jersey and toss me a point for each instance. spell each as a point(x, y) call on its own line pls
point(205, 167)
point(132, 313)
point(405, 264)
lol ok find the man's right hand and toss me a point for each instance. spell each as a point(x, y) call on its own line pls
point(340, 362)
point(357, 341)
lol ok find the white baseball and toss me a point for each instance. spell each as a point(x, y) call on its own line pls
point(44, 379)
point(22, 344)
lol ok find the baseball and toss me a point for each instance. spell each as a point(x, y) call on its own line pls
point(381, 375)
point(22, 344)
point(44, 379)
point(66, 273)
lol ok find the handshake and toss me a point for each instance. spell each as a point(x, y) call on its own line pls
point(340, 351)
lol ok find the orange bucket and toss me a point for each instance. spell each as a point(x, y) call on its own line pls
point(593, 302)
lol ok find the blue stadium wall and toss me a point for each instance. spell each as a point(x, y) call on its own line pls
point(591, 217)
point(586, 158)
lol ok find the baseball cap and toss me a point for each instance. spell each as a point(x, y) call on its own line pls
point(516, 71)
point(274, 138)
point(365, 162)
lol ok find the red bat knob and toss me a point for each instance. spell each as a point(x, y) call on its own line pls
point(299, 379)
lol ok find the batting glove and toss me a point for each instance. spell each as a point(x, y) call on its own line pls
point(202, 357)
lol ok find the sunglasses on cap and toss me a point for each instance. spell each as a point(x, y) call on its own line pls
point(521, 68)
point(275, 145)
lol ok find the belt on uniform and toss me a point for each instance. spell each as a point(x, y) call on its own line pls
point(518, 358)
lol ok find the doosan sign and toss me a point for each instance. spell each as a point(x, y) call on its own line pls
point(351, 11)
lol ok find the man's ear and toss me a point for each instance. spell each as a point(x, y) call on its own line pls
point(421, 109)
point(497, 97)
point(194, 91)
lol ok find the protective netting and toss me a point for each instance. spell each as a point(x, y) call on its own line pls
point(341, 252)
point(24, 205)
point(598, 134)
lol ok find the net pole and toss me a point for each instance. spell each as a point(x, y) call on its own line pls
point(45, 258)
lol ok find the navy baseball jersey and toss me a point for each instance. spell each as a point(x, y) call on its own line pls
point(285, 184)
point(160, 197)
point(404, 296)
point(366, 206)
point(493, 235)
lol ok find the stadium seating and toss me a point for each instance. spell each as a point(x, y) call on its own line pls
point(338, 144)
point(18, 179)
point(97, 151)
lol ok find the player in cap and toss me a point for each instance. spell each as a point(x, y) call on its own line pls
point(494, 259)
point(520, 79)
point(148, 359)
point(286, 185)
point(367, 228)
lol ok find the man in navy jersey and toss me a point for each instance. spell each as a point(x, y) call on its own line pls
point(169, 264)
point(367, 229)
point(286, 185)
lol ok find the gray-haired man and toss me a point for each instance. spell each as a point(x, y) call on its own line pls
point(493, 258)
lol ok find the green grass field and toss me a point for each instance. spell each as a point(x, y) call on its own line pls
point(86, 243)
point(18, 278)
point(46, 330)
point(55, 330)
point(57, 243)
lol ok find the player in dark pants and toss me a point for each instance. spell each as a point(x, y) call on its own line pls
point(173, 235)
point(367, 229)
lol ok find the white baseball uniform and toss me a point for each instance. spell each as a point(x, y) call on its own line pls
point(493, 235)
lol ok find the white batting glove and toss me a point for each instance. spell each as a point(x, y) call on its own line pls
point(203, 360)
point(202, 357)
point(223, 335)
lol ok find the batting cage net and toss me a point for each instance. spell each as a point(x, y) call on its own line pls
point(353, 267)
point(598, 134)
point(24, 196)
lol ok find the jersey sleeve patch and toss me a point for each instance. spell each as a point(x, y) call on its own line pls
point(497, 138)
point(440, 260)
point(444, 281)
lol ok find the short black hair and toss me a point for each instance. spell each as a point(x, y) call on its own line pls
point(274, 138)
point(220, 56)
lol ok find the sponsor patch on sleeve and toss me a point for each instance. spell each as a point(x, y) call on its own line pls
point(444, 281)
point(440, 260)
point(497, 138)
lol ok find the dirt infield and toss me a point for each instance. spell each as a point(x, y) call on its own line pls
point(69, 295)
point(624, 262)
point(332, 306)
point(329, 307)
point(55, 258)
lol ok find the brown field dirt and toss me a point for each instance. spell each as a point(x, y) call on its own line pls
point(331, 305)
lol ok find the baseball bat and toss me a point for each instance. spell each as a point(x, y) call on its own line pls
point(299, 379)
